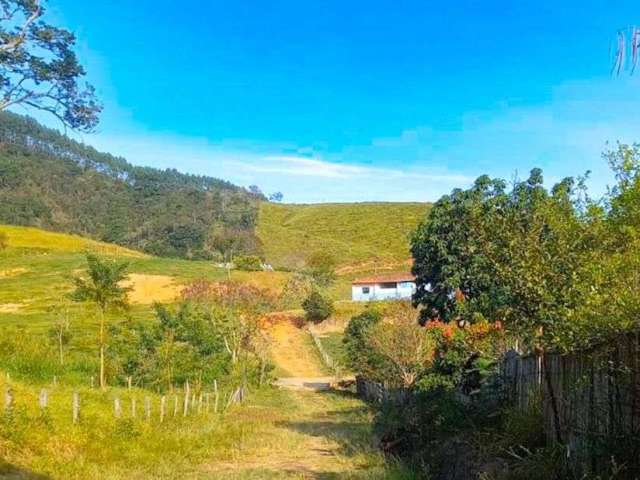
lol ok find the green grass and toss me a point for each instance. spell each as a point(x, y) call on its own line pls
point(276, 434)
point(355, 233)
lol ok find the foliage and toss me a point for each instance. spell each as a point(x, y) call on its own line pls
point(298, 287)
point(317, 307)
point(38, 68)
point(276, 197)
point(248, 263)
point(358, 356)
point(523, 256)
point(50, 181)
point(103, 287)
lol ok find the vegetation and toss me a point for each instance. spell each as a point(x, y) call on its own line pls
point(248, 263)
point(104, 289)
point(317, 307)
point(39, 68)
point(548, 270)
point(50, 181)
point(374, 234)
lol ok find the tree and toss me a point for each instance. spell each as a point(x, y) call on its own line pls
point(4, 241)
point(60, 332)
point(317, 307)
point(521, 256)
point(248, 263)
point(448, 254)
point(256, 191)
point(359, 357)
point(38, 68)
point(276, 197)
point(104, 289)
point(405, 349)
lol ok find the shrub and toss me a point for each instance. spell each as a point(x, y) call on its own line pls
point(317, 307)
point(248, 263)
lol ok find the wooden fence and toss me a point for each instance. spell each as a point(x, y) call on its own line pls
point(590, 400)
point(183, 403)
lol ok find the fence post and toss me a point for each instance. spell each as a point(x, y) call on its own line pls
point(129, 383)
point(92, 381)
point(163, 400)
point(207, 403)
point(133, 407)
point(200, 404)
point(76, 407)
point(147, 407)
point(175, 404)
point(43, 401)
point(117, 407)
point(8, 398)
point(185, 409)
point(217, 396)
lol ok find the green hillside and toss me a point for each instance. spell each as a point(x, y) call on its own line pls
point(362, 234)
point(50, 181)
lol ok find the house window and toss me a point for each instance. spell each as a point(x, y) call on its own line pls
point(366, 290)
point(388, 285)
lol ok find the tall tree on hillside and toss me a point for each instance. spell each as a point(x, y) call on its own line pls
point(104, 289)
point(38, 68)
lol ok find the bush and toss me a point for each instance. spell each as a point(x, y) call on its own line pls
point(248, 263)
point(317, 307)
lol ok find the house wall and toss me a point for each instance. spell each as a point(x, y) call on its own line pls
point(403, 291)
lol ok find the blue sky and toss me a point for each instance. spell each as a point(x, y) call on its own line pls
point(354, 101)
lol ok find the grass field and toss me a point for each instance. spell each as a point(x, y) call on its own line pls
point(361, 235)
point(275, 434)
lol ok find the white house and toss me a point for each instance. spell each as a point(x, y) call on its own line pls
point(397, 286)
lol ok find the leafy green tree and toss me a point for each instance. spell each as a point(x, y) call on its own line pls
point(448, 252)
point(522, 256)
point(317, 307)
point(360, 358)
point(38, 68)
point(104, 289)
point(248, 263)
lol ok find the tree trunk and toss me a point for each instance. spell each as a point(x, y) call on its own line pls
point(103, 381)
point(60, 333)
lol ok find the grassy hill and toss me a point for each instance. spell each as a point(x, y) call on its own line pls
point(50, 181)
point(276, 434)
point(37, 270)
point(357, 234)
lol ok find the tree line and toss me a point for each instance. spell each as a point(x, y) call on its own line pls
point(50, 181)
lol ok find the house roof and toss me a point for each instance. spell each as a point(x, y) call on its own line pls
point(389, 278)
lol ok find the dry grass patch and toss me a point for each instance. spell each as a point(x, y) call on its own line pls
point(12, 272)
point(11, 307)
point(148, 289)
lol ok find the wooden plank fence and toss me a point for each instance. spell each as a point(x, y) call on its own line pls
point(590, 400)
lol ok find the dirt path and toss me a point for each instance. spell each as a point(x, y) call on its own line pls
point(293, 351)
point(301, 433)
